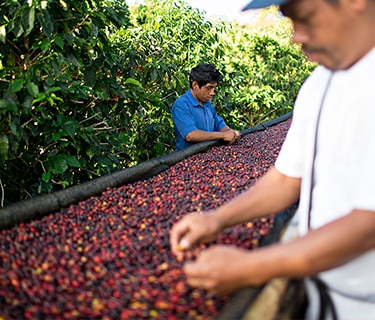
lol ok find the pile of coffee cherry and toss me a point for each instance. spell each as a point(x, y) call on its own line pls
point(109, 257)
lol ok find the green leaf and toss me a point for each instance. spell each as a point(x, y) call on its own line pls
point(50, 81)
point(56, 136)
point(41, 97)
point(71, 126)
point(52, 89)
point(59, 163)
point(45, 21)
point(17, 85)
point(73, 60)
point(44, 44)
point(73, 162)
point(133, 82)
point(59, 41)
point(90, 152)
point(46, 176)
point(17, 28)
point(28, 19)
point(32, 89)
point(84, 136)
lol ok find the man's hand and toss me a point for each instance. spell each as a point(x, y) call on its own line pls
point(194, 229)
point(219, 269)
point(225, 269)
point(231, 136)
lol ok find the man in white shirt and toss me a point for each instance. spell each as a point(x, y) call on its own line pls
point(327, 162)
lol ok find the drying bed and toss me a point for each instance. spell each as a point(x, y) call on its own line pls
point(108, 257)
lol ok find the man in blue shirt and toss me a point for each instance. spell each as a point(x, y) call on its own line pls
point(194, 117)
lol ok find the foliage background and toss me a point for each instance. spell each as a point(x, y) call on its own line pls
point(86, 87)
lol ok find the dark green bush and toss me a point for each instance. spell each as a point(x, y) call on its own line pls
point(86, 87)
point(58, 72)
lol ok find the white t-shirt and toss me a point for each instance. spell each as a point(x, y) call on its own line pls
point(344, 177)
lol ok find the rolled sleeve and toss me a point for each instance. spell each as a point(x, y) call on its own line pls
point(290, 158)
point(219, 122)
point(183, 120)
point(362, 170)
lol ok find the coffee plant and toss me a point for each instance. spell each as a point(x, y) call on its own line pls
point(108, 257)
point(86, 87)
point(57, 78)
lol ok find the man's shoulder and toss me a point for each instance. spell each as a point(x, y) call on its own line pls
point(184, 100)
point(317, 79)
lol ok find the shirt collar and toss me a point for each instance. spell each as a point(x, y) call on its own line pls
point(194, 102)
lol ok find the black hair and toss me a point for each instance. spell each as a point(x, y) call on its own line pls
point(204, 73)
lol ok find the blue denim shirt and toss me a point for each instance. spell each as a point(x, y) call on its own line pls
point(188, 115)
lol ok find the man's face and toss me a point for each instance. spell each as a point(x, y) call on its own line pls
point(325, 30)
point(204, 93)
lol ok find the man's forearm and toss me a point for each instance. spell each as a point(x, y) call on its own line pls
point(200, 135)
point(225, 128)
point(271, 194)
point(321, 249)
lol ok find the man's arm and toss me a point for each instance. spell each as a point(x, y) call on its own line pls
point(271, 194)
point(322, 249)
point(227, 135)
point(329, 246)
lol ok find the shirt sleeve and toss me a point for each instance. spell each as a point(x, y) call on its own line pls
point(219, 121)
point(290, 158)
point(363, 197)
point(297, 150)
point(183, 120)
point(362, 172)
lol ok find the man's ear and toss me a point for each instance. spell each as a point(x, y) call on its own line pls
point(195, 85)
